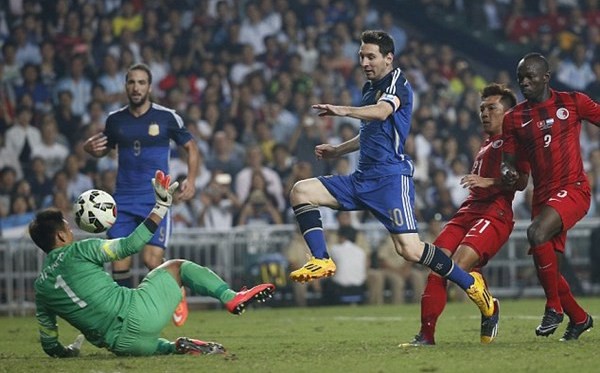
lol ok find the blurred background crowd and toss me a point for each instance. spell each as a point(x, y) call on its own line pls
point(243, 75)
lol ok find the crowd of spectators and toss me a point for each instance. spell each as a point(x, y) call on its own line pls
point(243, 75)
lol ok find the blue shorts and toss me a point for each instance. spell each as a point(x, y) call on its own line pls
point(390, 198)
point(129, 216)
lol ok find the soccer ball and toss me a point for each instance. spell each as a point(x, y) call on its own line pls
point(95, 211)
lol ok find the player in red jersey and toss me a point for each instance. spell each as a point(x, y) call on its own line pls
point(484, 221)
point(544, 129)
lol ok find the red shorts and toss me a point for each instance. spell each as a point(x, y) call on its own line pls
point(483, 233)
point(572, 203)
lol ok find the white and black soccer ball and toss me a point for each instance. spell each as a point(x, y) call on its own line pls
point(95, 211)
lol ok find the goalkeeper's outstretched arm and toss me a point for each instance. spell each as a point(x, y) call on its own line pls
point(123, 247)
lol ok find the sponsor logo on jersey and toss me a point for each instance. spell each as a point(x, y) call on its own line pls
point(153, 129)
point(545, 124)
point(562, 113)
point(526, 123)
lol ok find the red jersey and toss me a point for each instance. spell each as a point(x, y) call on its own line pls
point(492, 200)
point(546, 134)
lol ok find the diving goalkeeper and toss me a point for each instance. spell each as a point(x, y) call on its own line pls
point(73, 285)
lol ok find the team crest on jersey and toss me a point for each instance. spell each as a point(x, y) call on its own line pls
point(498, 143)
point(545, 124)
point(562, 113)
point(153, 129)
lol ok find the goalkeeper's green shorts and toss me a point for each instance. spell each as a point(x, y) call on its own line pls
point(152, 307)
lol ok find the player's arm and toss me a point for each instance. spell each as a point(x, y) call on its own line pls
point(111, 250)
point(476, 181)
point(48, 330)
point(379, 111)
point(588, 108)
point(188, 186)
point(325, 151)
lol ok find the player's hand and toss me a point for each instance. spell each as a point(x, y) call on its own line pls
point(74, 348)
point(476, 181)
point(96, 145)
point(163, 193)
point(327, 109)
point(509, 174)
point(188, 190)
point(325, 151)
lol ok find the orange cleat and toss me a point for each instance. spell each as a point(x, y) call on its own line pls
point(244, 297)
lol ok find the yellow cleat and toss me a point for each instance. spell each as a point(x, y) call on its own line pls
point(480, 295)
point(314, 269)
point(489, 325)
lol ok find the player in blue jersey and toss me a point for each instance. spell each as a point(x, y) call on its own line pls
point(382, 183)
point(141, 132)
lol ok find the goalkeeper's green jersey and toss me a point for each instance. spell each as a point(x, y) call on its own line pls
point(74, 285)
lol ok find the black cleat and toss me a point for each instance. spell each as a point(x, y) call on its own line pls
point(550, 322)
point(190, 346)
point(575, 330)
point(489, 325)
point(418, 341)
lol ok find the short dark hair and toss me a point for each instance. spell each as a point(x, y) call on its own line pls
point(139, 66)
point(509, 99)
point(380, 38)
point(539, 59)
point(44, 226)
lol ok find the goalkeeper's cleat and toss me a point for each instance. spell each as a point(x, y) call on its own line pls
point(418, 341)
point(550, 322)
point(575, 330)
point(244, 297)
point(190, 346)
point(480, 295)
point(314, 269)
point(489, 325)
point(181, 312)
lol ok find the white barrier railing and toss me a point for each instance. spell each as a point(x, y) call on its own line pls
point(231, 252)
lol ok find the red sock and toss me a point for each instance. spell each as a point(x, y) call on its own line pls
point(433, 302)
point(546, 265)
point(570, 305)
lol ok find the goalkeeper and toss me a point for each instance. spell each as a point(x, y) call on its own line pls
point(73, 285)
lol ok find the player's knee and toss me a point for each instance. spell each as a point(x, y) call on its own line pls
point(152, 262)
point(536, 235)
point(299, 193)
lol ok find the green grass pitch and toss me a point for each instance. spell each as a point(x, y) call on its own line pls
point(331, 339)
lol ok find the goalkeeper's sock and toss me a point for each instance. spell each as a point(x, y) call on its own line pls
point(123, 278)
point(441, 264)
point(165, 347)
point(205, 282)
point(309, 220)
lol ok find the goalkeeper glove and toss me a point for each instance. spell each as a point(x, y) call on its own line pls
point(163, 193)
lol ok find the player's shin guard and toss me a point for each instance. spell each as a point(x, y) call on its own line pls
point(123, 278)
point(433, 302)
point(441, 264)
point(546, 266)
point(309, 221)
point(576, 314)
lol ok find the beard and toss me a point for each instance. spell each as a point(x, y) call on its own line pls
point(135, 103)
